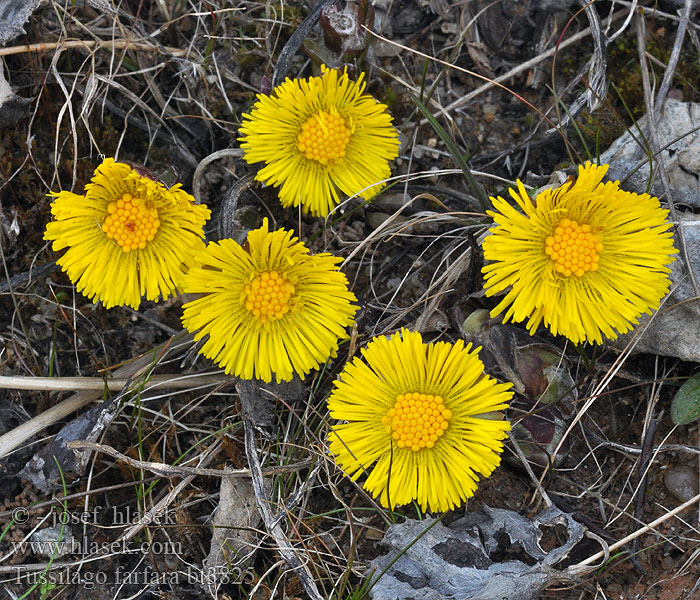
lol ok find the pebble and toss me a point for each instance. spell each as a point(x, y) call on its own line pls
point(613, 589)
point(489, 111)
point(682, 482)
point(385, 49)
point(376, 220)
point(48, 541)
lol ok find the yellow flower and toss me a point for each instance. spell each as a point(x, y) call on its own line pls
point(586, 259)
point(269, 308)
point(127, 237)
point(424, 414)
point(317, 136)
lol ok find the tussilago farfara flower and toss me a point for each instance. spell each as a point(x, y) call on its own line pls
point(586, 259)
point(127, 237)
point(317, 136)
point(421, 421)
point(269, 308)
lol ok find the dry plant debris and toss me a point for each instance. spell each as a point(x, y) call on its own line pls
point(133, 467)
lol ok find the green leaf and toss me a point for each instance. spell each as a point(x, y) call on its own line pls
point(461, 161)
point(685, 406)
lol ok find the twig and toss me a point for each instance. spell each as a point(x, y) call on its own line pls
point(161, 469)
point(285, 549)
point(638, 450)
point(490, 82)
point(161, 506)
point(656, 146)
point(70, 384)
point(564, 506)
point(529, 470)
point(577, 568)
point(7, 515)
point(597, 86)
point(657, 13)
point(673, 59)
point(600, 387)
point(26, 277)
point(298, 495)
point(644, 459)
point(174, 471)
point(20, 434)
point(111, 44)
point(501, 78)
point(197, 177)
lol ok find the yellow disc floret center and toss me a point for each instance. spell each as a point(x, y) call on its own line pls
point(323, 138)
point(269, 296)
point(417, 420)
point(130, 223)
point(573, 248)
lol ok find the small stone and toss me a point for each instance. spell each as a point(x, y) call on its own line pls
point(53, 542)
point(489, 111)
point(682, 482)
point(667, 563)
point(614, 589)
point(375, 220)
point(386, 49)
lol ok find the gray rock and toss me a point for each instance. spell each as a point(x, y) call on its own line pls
point(55, 541)
point(675, 329)
point(679, 133)
point(682, 482)
point(48, 467)
point(12, 106)
point(13, 15)
point(445, 563)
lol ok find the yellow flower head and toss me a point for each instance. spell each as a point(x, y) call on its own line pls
point(127, 237)
point(419, 411)
point(586, 258)
point(269, 308)
point(317, 136)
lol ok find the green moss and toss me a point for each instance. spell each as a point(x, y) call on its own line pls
point(390, 97)
point(107, 134)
